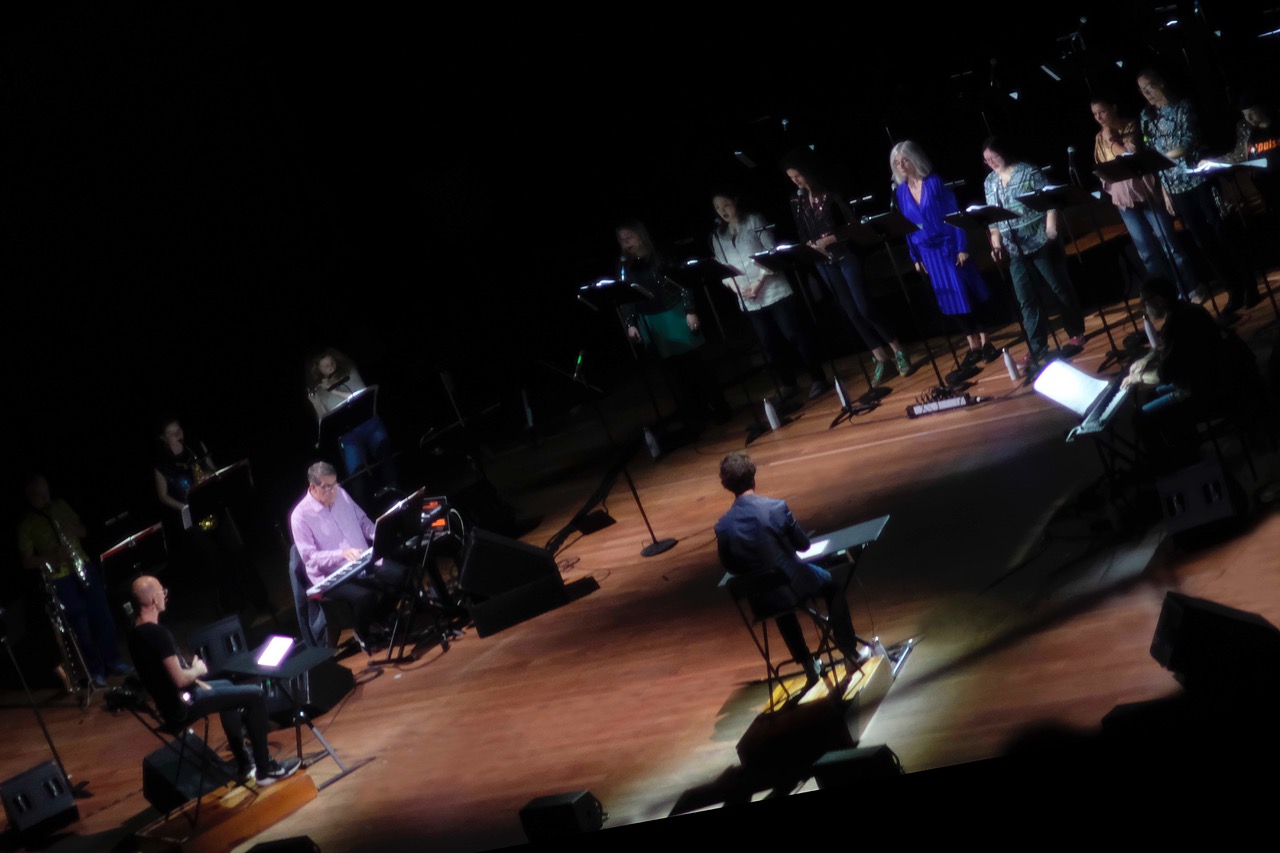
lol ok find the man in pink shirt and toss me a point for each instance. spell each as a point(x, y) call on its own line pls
point(330, 530)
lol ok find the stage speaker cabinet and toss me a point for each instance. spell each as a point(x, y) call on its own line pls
point(1199, 495)
point(218, 642)
point(315, 692)
point(561, 816)
point(182, 770)
point(507, 582)
point(38, 801)
point(843, 768)
point(1206, 642)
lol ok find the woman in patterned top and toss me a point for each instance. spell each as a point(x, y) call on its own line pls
point(1171, 127)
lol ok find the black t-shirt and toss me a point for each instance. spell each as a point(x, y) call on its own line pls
point(150, 643)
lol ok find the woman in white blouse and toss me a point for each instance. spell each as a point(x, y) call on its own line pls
point(766, 297)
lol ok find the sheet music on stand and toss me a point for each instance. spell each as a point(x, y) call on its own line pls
point(221, 489)
point(346, 416)
point(610, 293)
point(1136, 165)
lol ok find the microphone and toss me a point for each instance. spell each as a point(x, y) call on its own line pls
point(577, 367)
point(622, 268)
point(1071, 163)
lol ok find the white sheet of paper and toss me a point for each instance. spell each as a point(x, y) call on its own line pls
point(815, 548)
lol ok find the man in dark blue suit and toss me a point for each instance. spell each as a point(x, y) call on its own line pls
point(759, 535)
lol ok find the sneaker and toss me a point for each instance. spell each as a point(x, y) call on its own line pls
point(818, 388)
point(904, 363)
point(882, 367)
point(989, 353)
point(247, 775)
point(275, 771)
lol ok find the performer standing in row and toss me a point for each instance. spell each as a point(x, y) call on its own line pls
point(1170, 126)
point(937, 249)
point(212, 545)
point(819, 212)
point(49, 535)
point(669, 327)
point(1030, 243)
point(1141, 202)
point(332, 379)
point(766, 297)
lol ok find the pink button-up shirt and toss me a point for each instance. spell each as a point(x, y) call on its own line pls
point(322, 533)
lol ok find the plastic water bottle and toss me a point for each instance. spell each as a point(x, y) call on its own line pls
point(1011, 366)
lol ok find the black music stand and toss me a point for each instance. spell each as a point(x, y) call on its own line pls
point(791, 258)
point(1138, 165)
point(301, 660)
point(891, 224)
point(610, 293)
point(393, 531)
point(1060, 197)
point(706, 272)
point(221, 489)
point(1221, 170)
point(344, 417)
point(839, 552)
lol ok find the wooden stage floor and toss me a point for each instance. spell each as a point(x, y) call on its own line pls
point(1027, 608)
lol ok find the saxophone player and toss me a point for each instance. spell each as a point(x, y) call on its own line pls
point(49, 535)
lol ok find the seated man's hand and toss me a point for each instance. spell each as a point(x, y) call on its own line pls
point(350, 554)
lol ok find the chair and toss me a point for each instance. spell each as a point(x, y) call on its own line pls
point(750, 595)
point(319, 621)
point(175, 737)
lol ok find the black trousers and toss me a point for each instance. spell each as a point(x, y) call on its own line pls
point(832, 591)
point(372, 595)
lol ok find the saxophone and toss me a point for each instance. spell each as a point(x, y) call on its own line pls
point(77, 562)
point(72, 670)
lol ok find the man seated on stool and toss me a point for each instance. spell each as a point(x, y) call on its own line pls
point(759, 535)
point(330, 530)
point(180, 694)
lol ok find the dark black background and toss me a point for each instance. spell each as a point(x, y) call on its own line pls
point(196, 196)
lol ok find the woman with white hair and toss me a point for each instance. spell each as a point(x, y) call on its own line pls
point(937, 249)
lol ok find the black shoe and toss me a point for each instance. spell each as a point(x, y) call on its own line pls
point(276, 772)
point(971, 358)
point(989, 353)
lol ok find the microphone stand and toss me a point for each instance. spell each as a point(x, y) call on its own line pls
point(78, 791)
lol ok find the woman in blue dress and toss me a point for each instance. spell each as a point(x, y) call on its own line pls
point(937, 249)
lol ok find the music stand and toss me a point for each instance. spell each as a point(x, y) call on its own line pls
point(141, 553)
point(611, 293)
point(1138, 165)
point(219, 490)
point(344, 417)
point(705, 272)
point(1219, 169)
point(893, 224)
point(791, 258)
point(301, 660)
point(392, 534)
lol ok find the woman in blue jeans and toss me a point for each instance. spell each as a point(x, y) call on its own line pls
point(1141, 203)
point(818, 213)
